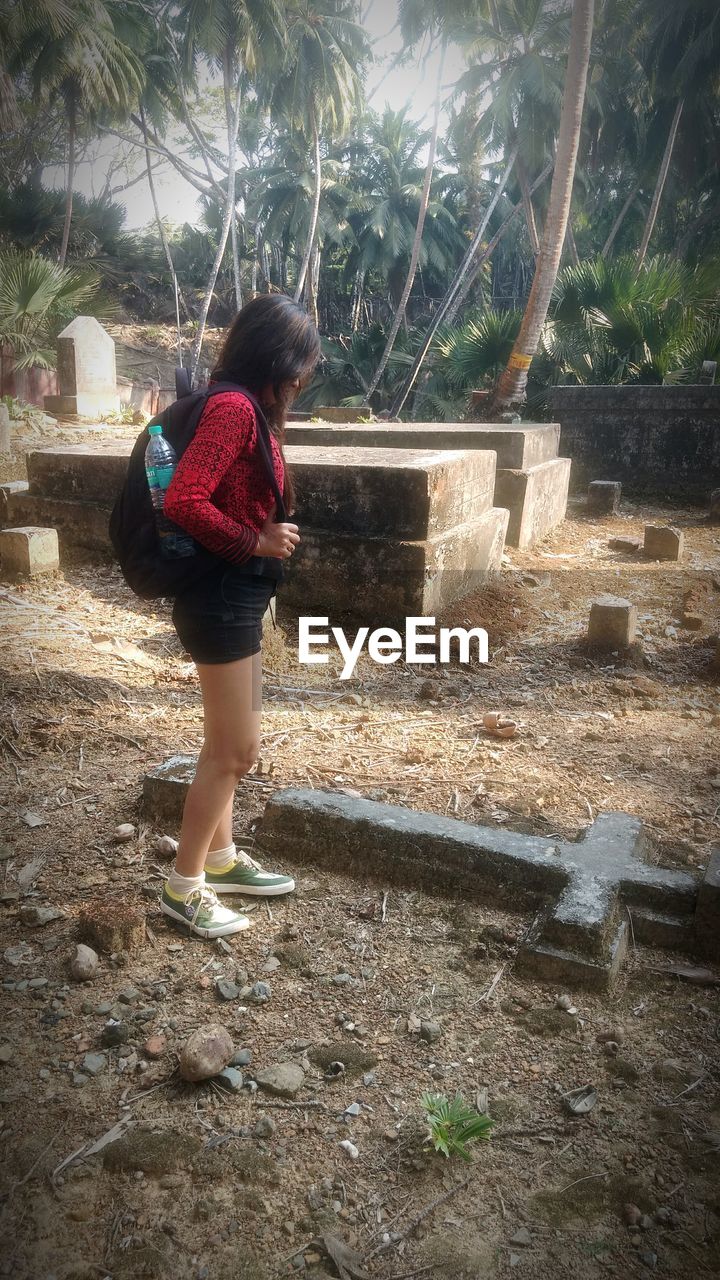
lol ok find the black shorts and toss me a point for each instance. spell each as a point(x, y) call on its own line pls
point(220, 619)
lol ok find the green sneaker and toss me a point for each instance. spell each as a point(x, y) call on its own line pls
point(202, 914)
point(247, 876)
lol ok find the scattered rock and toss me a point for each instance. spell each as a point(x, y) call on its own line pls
point(19, 954)
point(264, 1127)
point(155, 1047)
point(271, 964)
point(522, 1238)
point(84, 964)
point(260, 993)
point(631, 1215)
point(430, 1031)
point(284, 1079)
point(124, 832)
point(129, 995)
point(350, 1148)
point(165, 847)
point(242, 1058)
point(227, 989)
point(6, 1052)
point(114, 1033)
point(206, 1053)
point(35, 916)
point(231, 1079)
point(94, 1063)
point(566, 1004)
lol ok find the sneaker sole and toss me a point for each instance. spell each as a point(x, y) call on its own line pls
point(221, 931)
point(251, 891)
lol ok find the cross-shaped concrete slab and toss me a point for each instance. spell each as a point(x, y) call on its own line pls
point(591, 896)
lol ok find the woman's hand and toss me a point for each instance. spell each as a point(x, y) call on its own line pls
point(278, 540)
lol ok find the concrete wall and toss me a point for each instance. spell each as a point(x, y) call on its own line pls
point(29, 385)
point(656, 440)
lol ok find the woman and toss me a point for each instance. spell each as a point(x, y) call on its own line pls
point(221, 493)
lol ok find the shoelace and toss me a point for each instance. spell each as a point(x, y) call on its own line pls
point(207, 897)
point(247, 861)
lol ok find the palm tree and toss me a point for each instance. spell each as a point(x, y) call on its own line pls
point(317, 89)
point(417, 238)
point(37, 299)
point(88, 66)
point(238, 36)
point(512, 384)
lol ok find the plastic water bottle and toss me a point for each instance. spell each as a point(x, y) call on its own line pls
point(160, 464)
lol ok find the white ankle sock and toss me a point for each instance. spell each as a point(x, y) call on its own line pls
point(180, 886)
point(221, 859)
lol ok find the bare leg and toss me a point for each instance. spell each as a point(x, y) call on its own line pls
point(232, 699)
point(223, 832)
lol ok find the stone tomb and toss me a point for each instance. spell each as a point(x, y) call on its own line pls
point(591, 896)
point(87, 381)
point(386, 532)
point(530, 480)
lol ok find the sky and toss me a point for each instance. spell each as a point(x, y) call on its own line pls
point(412, 84)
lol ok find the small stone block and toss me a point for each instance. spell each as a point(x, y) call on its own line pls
point(603, 497)
point(714, 512)
point(662, 542)
point(613, 623)
point(111, 925)
point(28, 552)
point(707, 912)
point(165, 789)
point(7, 492)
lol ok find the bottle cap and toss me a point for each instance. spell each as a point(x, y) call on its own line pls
point(155, 429)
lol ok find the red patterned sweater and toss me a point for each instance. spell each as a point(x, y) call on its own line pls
point(220, 491)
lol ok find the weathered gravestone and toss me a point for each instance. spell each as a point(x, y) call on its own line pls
point(87, 381)
point(587, 894)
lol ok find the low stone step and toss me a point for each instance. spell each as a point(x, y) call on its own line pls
point(536, 499)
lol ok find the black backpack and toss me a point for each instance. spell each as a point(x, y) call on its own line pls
point(132, 527)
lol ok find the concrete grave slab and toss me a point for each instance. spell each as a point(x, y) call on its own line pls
point(165, 789)
point(582, 890)
point(663, 542)
point(87, 378)
point(515, 446)
point(530, 481)
point(603, 497)
point(612, 624)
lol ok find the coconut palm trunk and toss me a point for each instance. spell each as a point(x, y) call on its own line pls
point(224, 233)
point(231, 117)
point(417, 241)
point(660, 184)
point(619, 221)
point(315, 207)
point(513, 382)
point(453, 291)
point(158, 219)
point(72, 139)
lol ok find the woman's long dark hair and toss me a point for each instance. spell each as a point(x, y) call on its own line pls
point(271, 342)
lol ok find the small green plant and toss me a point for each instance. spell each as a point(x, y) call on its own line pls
point(453, 1125)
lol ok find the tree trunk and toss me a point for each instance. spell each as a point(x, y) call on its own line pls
point(490, 249)
point(528, 207)
point(222, 244)
point(464, 276)
point(571, 245)
point(72, 121)
point(315, 208)
point(513, 382)
point(619, 221)
point(660, 184)
point(417, 242)
point(158, 219)
point(256, 254)
point(357, 300)
point(311, 293)
point(231, 116)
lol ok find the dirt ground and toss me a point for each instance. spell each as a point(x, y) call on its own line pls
point(94, 690)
